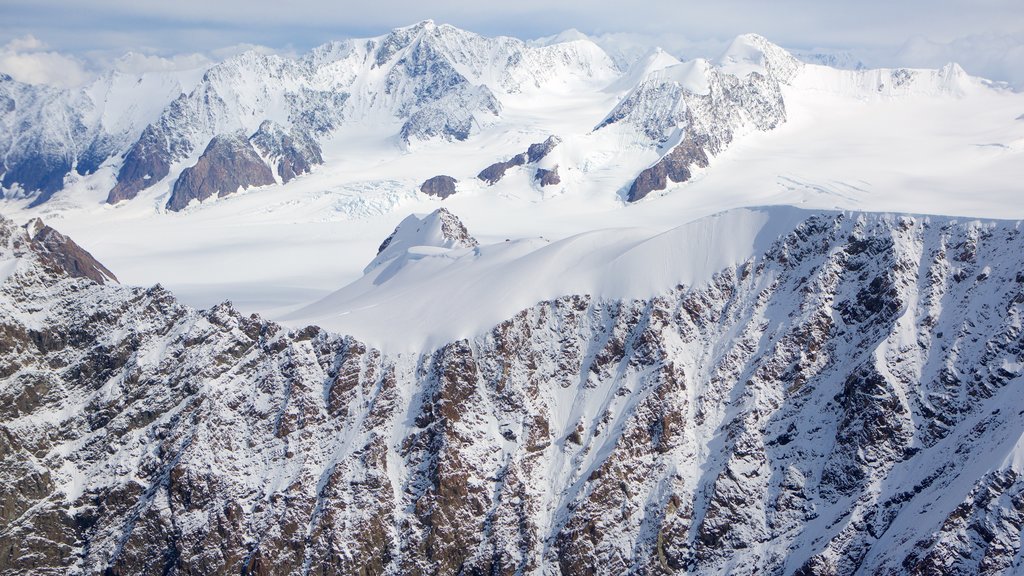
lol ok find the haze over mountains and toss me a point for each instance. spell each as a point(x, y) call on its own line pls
point(535, 309)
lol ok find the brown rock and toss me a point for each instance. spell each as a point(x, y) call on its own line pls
point(63, 253)
point(229, 163)
point(673, 166)
point(547, 177)
point(536, 152)
point(441, 186)
point(495, 172)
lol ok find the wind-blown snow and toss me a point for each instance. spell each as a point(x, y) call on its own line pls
point(436, 295)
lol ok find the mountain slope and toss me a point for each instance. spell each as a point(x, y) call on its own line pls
point(841, 400)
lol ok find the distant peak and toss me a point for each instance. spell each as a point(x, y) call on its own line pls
point(439, 230)
point(754, 53)
point(570, 35)
point(427, 24)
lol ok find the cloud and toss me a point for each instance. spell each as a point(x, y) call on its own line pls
point(137, 63)
point(909, 32)
point(999, 57)
point(26, 60)
point(24, 43)
point(235, 50)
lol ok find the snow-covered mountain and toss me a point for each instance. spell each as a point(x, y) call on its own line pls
point(406, 89)
point(426, 81)
point(839, 397)
point(535, 311)
point(47, 134)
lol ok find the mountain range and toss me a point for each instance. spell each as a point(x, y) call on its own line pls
point(424, 82)
point(512, 308)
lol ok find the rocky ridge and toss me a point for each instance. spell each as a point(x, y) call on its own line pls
point(693, 110)
point(843, 403)
point(534, 154)
point(228, 164)
point(291, 154)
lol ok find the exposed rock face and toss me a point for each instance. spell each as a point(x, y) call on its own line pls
point(847, 402)
point(227, 164)
point(495, 172)
point(441, 186)
point(705, 115)
point(547, 177)
point(674, 166)
point(149, 160)
point(45, 134)
point(58, 251)
point(294, 153)
point(536, 152)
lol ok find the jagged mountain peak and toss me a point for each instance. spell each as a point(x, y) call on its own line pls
point(35, 247)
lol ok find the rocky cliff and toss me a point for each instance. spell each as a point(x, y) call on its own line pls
point(228, 164)
point(846, 402)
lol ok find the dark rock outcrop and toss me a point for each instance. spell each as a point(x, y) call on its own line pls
point(228, 163)
point(41, 172)
point(294, 152)
point(441, 186)
point(149, 160)
point(495, 172)
point(534, 153)
point(674, 166)
point(60, 252)
point(547, 177)
point(537, 152)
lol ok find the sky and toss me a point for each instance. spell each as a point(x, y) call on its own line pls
point(65, 42)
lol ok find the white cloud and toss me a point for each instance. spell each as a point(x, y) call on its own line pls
point(999, 57)
point(235, 50)
point(25, 59)
point(136, 63)
point(985, 36)
point(27, 42)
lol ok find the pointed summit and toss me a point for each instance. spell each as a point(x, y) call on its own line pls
point(754, 53)
point(439, 230)
point(59, 253)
